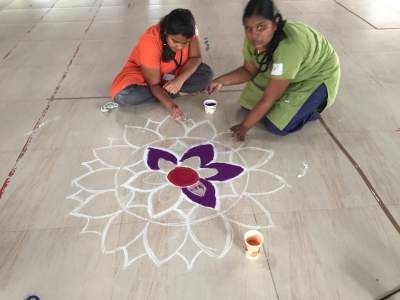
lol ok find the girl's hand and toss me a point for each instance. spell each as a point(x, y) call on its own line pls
point(239, 132)
point(173, 86)
point(176, 112)
point(214, 87)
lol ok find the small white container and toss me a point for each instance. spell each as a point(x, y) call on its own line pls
point(253, 240)
point(210, 106)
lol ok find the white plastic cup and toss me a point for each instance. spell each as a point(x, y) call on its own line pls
point(253, 240)
point(210, 106)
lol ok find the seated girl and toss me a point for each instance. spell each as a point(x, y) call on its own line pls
point(165, 62)
point(292, 72)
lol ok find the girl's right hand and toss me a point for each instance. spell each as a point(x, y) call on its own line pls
point(176, 112)
point(214, 87)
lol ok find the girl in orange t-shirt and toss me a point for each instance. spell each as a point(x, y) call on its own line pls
point(165, 62)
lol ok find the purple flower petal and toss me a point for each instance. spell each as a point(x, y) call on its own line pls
point(204, 152)
point(203, 193)
point(225, 171)
point(154, 155)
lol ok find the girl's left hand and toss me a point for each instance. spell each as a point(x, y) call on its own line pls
point(173, 86)
point(239, 132)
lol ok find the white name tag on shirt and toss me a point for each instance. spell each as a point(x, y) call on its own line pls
point(277, 69)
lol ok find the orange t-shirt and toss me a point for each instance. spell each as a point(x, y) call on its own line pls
point(147, 53)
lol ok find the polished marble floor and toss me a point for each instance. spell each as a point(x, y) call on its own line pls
point(83, 217)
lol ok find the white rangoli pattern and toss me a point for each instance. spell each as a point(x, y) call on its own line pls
point(122, 183)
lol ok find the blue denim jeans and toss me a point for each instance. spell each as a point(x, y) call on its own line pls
point(310, 111)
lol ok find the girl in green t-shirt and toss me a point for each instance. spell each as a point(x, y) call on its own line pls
point(292, 72)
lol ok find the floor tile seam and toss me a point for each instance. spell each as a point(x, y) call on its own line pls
point(318, 210)
point(267, 262)
point(24, 149)
point(363, 176)
point(268, 265)
point(355, 14)
point(56, 228)
point(53, 96)
point(80, 98)
point(98, 7)
point(254, 214)
point(363, 19)
point(117, 270)
point(116, 5)
point(108, 97)
point(375, 129)
point(367, 52)
point(74, 7)
point(29, 31)
point(391, 293)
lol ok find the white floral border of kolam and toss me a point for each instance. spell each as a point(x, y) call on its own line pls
point(188, 128)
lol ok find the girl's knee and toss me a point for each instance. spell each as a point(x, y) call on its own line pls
point(118, 99)
point(128, 101)
point(130, 96)
point(270, 127)
point(278, 132)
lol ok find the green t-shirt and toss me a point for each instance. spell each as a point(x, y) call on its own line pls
point(305, 58)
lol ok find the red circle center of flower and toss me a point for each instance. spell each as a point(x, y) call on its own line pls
point(183, 177)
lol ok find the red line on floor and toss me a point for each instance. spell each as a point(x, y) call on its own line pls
point(29, 30)
point(43, 115)
point(24, 150)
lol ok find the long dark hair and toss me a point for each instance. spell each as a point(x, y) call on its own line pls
point(179, 21)
point(268, 10)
